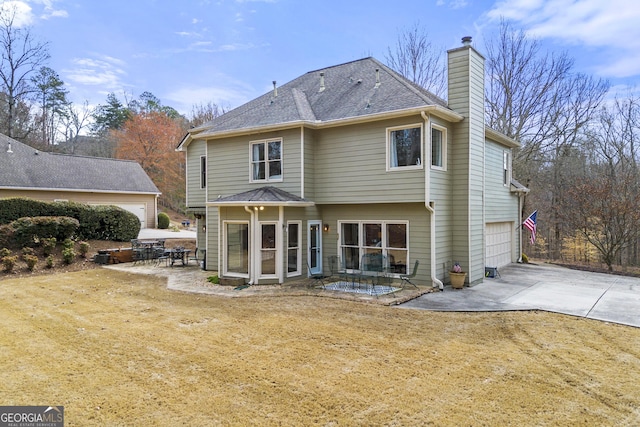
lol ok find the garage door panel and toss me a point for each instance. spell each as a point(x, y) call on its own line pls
point(499, 238)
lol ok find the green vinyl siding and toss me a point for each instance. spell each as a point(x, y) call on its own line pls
point(196, 196)
point(501, 204)
point(228, 170)
point(466, 96)
point(351, 164)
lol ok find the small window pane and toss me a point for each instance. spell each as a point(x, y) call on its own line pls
point(405, 147)
point(268, 236)
point(275, 170)
point(274, 150)
point(258, 170)
point(436, 147)
point(350, 234)
point(372, 234)
point(397, 235)
point(258, 152)
point(293, 235)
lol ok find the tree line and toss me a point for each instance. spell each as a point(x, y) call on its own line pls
point(35, 110)
point(579, 148)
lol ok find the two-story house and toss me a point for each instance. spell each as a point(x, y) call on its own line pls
point(355, 159)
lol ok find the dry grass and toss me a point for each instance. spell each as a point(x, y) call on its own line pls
point(119, 349)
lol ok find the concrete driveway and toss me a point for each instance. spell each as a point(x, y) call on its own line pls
point(546, 287)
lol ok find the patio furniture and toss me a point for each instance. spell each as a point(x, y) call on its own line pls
point(315, 276)
point(406, 278)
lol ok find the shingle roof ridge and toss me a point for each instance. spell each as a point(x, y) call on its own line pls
point(339, 65)
point(423, 93)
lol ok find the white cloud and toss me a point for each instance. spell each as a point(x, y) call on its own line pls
point(611, 25)
point(22, 12)
point(453, 4)
point(104, 71)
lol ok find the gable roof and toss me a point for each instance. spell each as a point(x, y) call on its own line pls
point(30, 169)
point(266, 196)
point(350, 91)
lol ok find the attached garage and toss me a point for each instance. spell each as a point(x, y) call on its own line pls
point(139, 210)
point(499, 238)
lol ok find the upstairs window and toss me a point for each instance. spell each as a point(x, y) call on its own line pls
point(266, 160)
point(438, 147)
point(506, 169)
point(203, 171)
point(404, 147)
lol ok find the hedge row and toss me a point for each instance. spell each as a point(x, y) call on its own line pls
point(32, 231)
point(95, 222)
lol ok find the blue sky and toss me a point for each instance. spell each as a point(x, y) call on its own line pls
point(229, 51)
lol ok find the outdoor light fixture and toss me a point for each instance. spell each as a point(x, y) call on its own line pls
point(326, 227)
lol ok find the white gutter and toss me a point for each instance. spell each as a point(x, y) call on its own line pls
point(301, 162)
point(431, 206)
point(436, 110)
point(251, 243)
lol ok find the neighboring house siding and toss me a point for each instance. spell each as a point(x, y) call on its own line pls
point(228, 169)
point(351, 164)
point(148, 200)
point(196, 196)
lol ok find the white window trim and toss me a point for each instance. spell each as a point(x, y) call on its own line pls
point(203, 173)
point(266, 142)
point(361, 238)
point(224, 250)
point(506, 167)
point(388, 148)
point(444, 147)
point(298, 271)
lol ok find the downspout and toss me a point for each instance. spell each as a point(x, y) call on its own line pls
point(431, 206)
point(301, 162)
point(251, 235)
point(520, 202)
point(280, 238)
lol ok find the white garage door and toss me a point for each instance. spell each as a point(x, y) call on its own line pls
point(138, 210)
point(499, 238)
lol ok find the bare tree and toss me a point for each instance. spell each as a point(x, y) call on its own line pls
point(417, 59)
point(74, 121)
point(203, 113)
point(21, 57)
point(537, 98)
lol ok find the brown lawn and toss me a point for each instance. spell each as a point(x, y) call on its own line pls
point(117, 348)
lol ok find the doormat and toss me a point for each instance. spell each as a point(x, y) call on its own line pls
point(361, 288)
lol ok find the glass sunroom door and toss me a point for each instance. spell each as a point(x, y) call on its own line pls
point(268, 250)
point(314, 239)
point(237, 249)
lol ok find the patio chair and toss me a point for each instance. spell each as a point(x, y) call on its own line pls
point(336, 269)
point(406, 278)
point(316, 277)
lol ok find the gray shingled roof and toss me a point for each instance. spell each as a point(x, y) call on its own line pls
point(265, 196)
point(27, 167)
point(350, 90)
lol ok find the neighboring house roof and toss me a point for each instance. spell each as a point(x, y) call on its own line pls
point(30, 169)
point(265, 196)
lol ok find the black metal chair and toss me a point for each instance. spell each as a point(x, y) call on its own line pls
point(406, 278)
point(316, 277)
